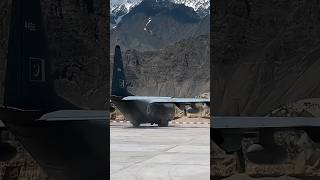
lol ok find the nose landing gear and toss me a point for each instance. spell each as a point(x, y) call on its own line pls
point(135, 124)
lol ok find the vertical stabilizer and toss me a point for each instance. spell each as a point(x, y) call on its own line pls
point(119, 86)
point(27, 72)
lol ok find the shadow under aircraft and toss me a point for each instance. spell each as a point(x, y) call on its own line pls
point(145, 109)
point(67, 142)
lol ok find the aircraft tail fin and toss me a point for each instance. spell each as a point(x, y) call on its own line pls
point(27, 83)
point(119, 86)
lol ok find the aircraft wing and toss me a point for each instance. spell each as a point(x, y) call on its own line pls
point(75, 115)
point(180, 100)
point(230, 122)
point(177, 101)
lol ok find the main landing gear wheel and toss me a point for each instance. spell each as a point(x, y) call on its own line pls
point(241, 167)
point(135, 124)
point(163, 123)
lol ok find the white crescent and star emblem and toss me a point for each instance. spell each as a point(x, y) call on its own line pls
point(37, 69)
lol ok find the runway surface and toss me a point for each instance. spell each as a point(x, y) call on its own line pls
point(177, 152)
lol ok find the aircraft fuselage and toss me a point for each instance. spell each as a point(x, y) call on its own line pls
point(143, 111)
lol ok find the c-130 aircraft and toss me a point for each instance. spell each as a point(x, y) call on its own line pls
point(145, 109)
point(67, 142)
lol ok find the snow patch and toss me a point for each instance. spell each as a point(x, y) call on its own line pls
point(149, 20)
point(119, 19)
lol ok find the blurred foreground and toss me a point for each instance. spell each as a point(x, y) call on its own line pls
point(22, 166)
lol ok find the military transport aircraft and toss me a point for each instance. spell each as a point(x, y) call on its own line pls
point(228, 133)
point(67, 142)
point(145, 109)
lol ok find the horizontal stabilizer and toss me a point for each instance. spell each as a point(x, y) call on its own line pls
point(152, 99)
point(230, 122)
point(74, 115)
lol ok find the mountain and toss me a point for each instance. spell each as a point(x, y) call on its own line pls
point(195, 4)
point(127, 3)
point(266, 55)
point(119, 8)
point(154, 24)
point(201, 28)
point(180, 70)
point(202, 7)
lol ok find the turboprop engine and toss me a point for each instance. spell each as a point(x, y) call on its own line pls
point(190, 108)
point(193, 108)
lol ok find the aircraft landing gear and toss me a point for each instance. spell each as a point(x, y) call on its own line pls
point(241, 167)
point(135, 124)
point(163, 123)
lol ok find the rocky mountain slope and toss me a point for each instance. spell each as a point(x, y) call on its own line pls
point(266, 54)
point(180, 70)
point(77, 37)
point(152, 25)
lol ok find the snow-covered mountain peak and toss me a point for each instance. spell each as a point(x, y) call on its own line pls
point(128, 4)
point(195, 4)
point(120, 8)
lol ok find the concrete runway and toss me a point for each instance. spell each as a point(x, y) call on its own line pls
point(178, 152)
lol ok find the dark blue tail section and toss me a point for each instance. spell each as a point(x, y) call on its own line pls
point(119, 86)
point(28, 85)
